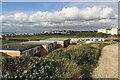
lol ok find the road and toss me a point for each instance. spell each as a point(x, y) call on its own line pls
point(108, 63)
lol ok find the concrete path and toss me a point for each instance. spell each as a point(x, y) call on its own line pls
point(108, 63)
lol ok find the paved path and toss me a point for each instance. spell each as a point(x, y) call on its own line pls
point(108, 63)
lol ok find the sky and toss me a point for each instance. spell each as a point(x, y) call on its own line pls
point(60, 0)
point(35, 17)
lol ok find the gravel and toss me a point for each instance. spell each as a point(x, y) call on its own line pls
point(108, 63)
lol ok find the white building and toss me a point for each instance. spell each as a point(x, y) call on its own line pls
point(102, 31)
point(113, 31)
point(87, 40)
point(109, 31)
point(1, 36)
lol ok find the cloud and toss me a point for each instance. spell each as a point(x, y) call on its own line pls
point(70, 16)
point(21, 17)
point(105, 20)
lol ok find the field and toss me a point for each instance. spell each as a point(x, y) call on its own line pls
point(20, 38)
point(40, 37)
point(32, 37)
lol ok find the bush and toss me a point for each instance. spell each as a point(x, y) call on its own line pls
point(70, 66)
point(84, 56)
point(31, 68)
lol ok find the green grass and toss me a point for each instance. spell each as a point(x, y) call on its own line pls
point(41, 37)
point(9, 41)
point(35, 37)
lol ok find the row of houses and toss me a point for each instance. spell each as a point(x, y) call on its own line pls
point(87, 40)
point(20, 49)
point(34, 48)
point(43, 47)
point(55, 32)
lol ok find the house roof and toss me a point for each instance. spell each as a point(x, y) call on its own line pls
point(88, 38)
point(37, 42)
point(58, 39)
point(18, 47)
point(47, 41)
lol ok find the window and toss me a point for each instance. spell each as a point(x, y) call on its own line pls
point(91, 39)
point(87, 39)
point(38, 49)
point(102, 40)
point(97, 39)
point(35, 50)
point(27, 53)
point(82, 40)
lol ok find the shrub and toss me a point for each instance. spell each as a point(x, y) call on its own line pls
point(29, 68)
point(85, 56)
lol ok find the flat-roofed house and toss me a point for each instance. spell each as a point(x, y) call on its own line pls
point(54, 43)
point(48, 46)
point(61, 42)
point(87, 40)
point(21, 49)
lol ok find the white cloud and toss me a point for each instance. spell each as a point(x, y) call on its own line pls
point(70, 16)
point(115, 16)
point(21, 17)
point(105, 21)
point(106, 12)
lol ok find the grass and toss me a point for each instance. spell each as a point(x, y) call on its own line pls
point(35, 37)
point(9, 41)
point(41, 37)
point(32, 37)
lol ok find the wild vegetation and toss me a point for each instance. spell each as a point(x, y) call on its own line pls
point(77, 62)
point(31, 68)
point(85, 56)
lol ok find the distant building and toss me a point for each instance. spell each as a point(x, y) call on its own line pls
point(59, 32)
point(21, 49)
point(113, 31)
point(46, 31)
point(108, 31)
point(1, 36)
point(102, 31)
point(56, 32)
